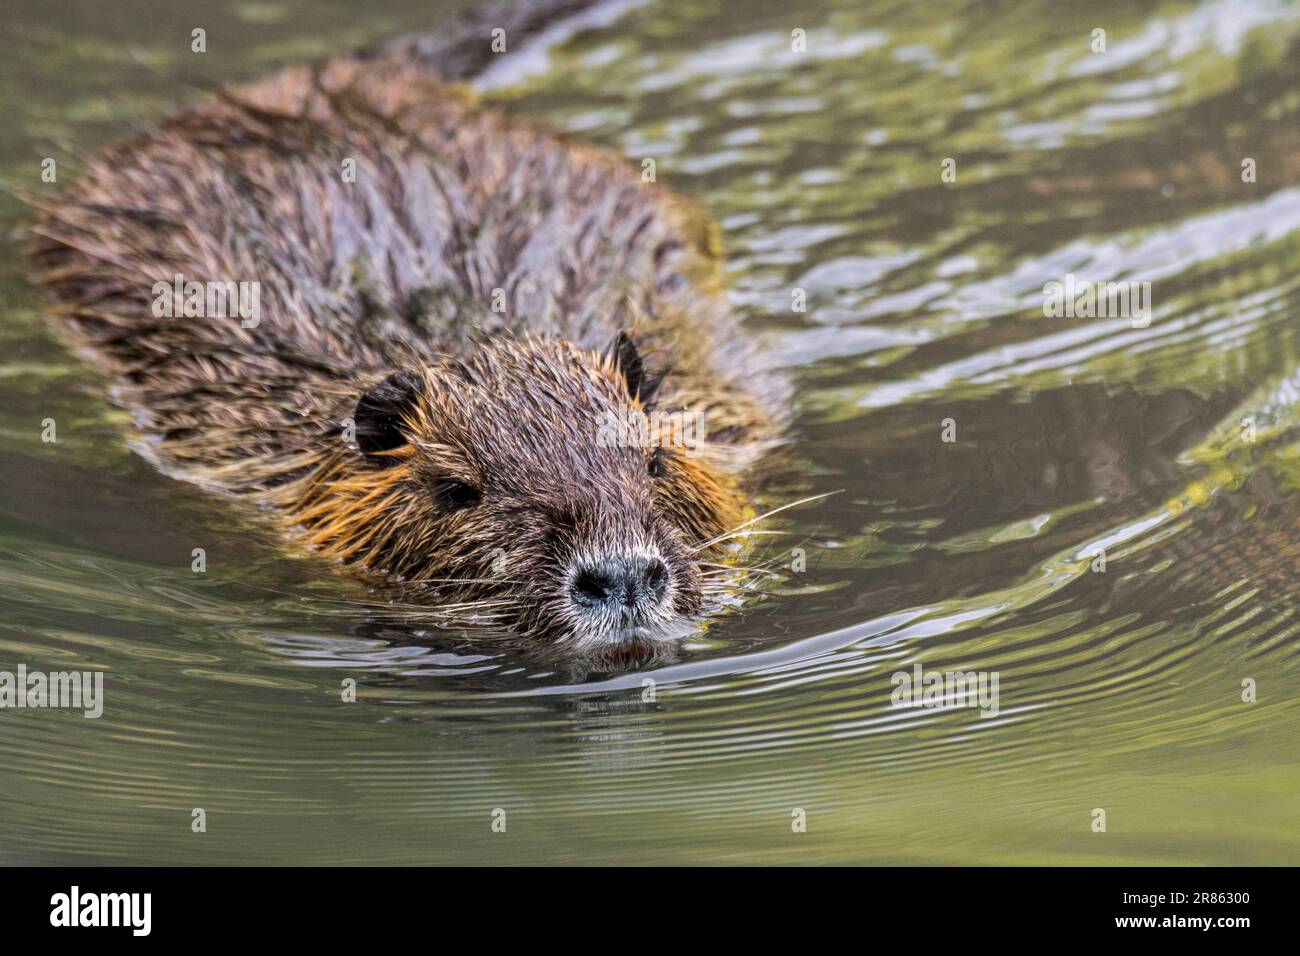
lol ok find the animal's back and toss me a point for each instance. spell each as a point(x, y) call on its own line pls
point(385, 218)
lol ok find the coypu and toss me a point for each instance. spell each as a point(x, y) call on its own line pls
point(440, 339)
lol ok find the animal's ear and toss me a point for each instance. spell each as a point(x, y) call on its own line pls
point(641, 383)
point(380, 414)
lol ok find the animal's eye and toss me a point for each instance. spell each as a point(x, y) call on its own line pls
point(453, 495)
point(659, 462)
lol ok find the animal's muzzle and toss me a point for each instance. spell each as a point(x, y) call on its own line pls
point(635, 585)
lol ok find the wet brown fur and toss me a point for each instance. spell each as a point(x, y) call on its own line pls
point(397, 271)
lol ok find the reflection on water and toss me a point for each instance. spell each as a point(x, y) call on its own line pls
point(1169, 455)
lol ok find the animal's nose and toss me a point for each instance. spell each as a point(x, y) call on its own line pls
point(631, 581)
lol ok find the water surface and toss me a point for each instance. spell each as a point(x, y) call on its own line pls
point(1173, 447)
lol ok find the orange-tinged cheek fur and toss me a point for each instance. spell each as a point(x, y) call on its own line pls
point(364, 516)
point(377, 518)
point(698, 501)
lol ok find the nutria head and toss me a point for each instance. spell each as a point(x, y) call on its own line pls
point(491, 480)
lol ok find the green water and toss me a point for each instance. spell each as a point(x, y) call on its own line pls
point(1120, 690)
